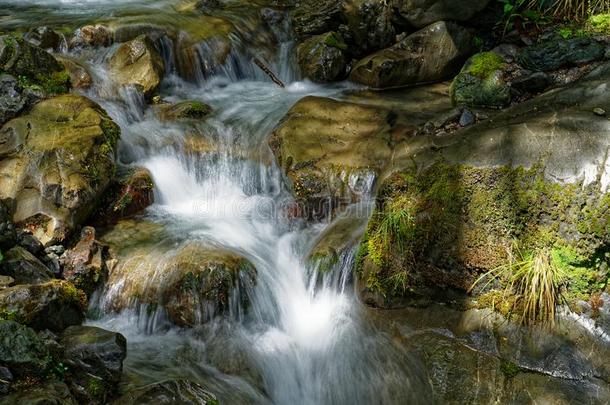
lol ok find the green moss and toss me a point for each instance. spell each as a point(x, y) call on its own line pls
point(72, 295)
point(8, 315)
point(55, 82)
point(95, 387)
point(198, 110)
point(334, 40)
point(600, 23)
point(461, 220)
point(509, 369)
point(484, 64)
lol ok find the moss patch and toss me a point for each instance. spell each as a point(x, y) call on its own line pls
point(485, 64)
point(600, 23)
point(446, 224)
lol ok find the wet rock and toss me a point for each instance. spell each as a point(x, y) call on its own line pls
point(531, 83)
point(191, 285)
point(62, 163)
point(419, 13)
point(33, 65)
point(129, 195)
point(322, 143)
point(24, 267)
point(12, 101)
point(137, 63)
point(22, 351)
point(169, 392)
point(184, 110)
point(314, 17)
point(558, 53)
point(94, 358)
point(370, 25)
point(79, 76)
point(45, 38)
point(84, 265)
point(432, 54)
point(322, 58)
point(600, 112)
point(92, 35)
point(49, 393)
point(205, 282)
point(481, 82)
point(54, 305)
point(29, 242)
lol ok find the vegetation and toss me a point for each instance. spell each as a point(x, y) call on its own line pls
point(535, 280)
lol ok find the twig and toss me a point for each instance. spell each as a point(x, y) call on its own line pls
point(268, 72)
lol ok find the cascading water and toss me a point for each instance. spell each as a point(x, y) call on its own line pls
point(305, 339)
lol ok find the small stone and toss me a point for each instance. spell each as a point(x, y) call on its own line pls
point(467, 118)
point(599, 111)
point(55, 249)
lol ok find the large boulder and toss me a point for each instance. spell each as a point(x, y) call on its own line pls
point(94, 360)
point(332, 150)
point(322, 58)
point(431, 54)
point(532, 182)
point(481, 82)
point(192, 285)
point(24, 267)
point(22, 351)
point(419, 13)
point(56, 161)
point(54, 305)
point(84, 265)
point(168, 393)
point(137, 63)
point(33, 65)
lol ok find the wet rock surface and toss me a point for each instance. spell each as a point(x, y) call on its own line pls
point(51, 193)
point(94, 359)
point(432, 54)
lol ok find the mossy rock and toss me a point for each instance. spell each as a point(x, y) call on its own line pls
point(58, 161)
point(22, 350)
point(443, 226)
point(481, 82)
point(54, 305)
point(182, 391)
point(419, 13)
point(33, 66)
point(184, 110)
point(322, 58)
point(192, 285)
point(559, 52)
point(458, 210)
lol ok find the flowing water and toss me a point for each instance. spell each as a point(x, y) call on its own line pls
point(305, 338)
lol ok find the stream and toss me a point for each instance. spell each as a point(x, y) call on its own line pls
point(305, 338)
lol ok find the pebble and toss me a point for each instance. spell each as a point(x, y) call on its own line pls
point(599, 111)
point(467, 118)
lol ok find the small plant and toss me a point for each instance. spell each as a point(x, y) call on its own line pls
point(59, 370)
point(536, 282)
